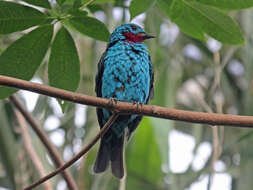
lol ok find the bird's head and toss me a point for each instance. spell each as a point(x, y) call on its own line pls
point(129, 32)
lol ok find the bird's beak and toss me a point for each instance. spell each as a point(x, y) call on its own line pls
point(145, 36)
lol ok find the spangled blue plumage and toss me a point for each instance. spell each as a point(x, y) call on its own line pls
point(124, 72)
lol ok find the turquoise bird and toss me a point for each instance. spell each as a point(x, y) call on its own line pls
point(125, 73)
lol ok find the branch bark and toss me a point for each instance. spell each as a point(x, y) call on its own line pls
point(44, 139)
point(78, 156)
point(129, 108)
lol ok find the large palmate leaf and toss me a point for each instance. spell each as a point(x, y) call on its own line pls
point(22, 58)
point(15, 17)
point(64, 65)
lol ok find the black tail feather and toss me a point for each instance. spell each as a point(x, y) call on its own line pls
point(102, 160)
point(117, 164)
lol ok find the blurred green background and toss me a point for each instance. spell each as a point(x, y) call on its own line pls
point(162, 154)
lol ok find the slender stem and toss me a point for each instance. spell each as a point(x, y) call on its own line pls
point(30, 149)
point(129, 108)
point(78, 156)
point(44, 139)
point(86, 4)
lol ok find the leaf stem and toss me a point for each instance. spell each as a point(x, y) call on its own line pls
point(86, 4)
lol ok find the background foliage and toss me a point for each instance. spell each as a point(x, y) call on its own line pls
point(56, 43)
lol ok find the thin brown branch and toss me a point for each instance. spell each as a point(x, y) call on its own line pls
point(78, 156)
point(44, 139)
point(30, 150)
point(129, 108)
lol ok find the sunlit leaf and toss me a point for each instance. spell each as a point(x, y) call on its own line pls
point(40, 3)
point(15, 17)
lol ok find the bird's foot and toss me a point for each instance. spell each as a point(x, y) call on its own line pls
point(112, 102)
point(138, 104)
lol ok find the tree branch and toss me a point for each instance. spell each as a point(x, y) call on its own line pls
point(78, 156)
point(30, 150)
point(44, 139)
point(129, 108)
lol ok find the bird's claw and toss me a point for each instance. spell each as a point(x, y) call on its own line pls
point(112, 102)
point(138, 104)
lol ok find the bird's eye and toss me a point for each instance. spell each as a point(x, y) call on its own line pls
point(134, 27)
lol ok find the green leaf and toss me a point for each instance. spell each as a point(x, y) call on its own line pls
point(40, 3)
point(165, 6)
point(91, 27)
point(228, 4)
point(137, 7)
point(22, 58)
point(60, 2)
point(216, 23)
point(182, 17)
point(64, 65)
point(15, 17)
point(143, 155)
point(77, 3)
point(196, 19)
point(77, 13)
point(94, 8)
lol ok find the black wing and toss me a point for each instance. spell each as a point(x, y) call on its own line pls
point(98, 87)
point(151, 88)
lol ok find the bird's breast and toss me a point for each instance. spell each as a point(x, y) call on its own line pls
point(126, 74)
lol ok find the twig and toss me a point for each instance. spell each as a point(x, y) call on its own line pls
point(44, 139)
point(217, 143)
point(78, 156)
point(30, 150)
point(129, 108)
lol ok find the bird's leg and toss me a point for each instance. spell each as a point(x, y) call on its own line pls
point(138, 104)
point(112, 102)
